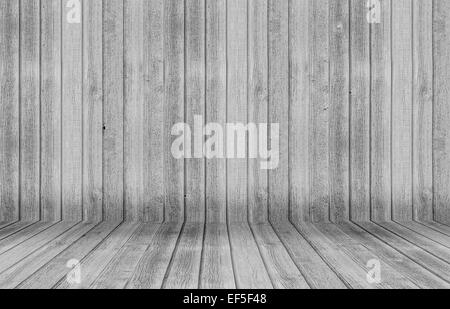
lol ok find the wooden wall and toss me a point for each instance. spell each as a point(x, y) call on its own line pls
point(86, 109)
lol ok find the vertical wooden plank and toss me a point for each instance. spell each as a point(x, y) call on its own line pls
point(216, 105)
point(359, 113)
point(9, 110)
point(381, 115)
point(299, 67)
point(423, 110)
point(339, 110)
point(402, 110)
point(319, 110)
point(279, 106)
point(237, 104)
point(441, 118)
point(195, 107)
point(30, 110)
point(71, 116)
point(257, 104)
point(51, 110)
point(134, 108)
point(92, 110)
point(113, 108)
point(174, 106)
point(153, 92)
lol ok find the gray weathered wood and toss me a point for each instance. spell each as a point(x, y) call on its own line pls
point(319, 110)
point(278, 48)
point(93, 110)
point(72, 79)
point(173, 107)
point(359, 112)
point(151, 270)
point(441, 111)
point(56, 269)
point(417, 274)
point(257, 104)
point(184, 272)
point(217, 269)
point(390, 277)
point(23, 269)
point(237, 109)
point(339, 111)
point(423, 110)
point(134, 109)
point(100, 257)
point(282, 271)
point(216, 105)
point(195, 107)
point(381, 97)
point(248, 264)
point(154, 107)
point(299, 87)
point(50, 194)
point(9, 110)
point(30, 101)
point(113, 109)
point(402, 110)
point(437, 266)
point(119, 270)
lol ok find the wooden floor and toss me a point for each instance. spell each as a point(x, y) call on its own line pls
point(135, 255)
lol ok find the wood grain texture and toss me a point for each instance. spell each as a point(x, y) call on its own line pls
point(117, 273)
point(50, 179)
point(195, 107)
point(381, 106)
point(317, 272)
point(249, 269)
point(30, 102)
point(339, 146)
point(280, 267)
point(278, 49)
point(100, 257)
point(391, 278)
point(173, 107)
point(299, 87)
point(184, 272)
point(113, 110)
point(359, 113)
point(154, 67)
point(402, 110)
point(23, 234)
point(11, 257)
point(93, 110)
point(258, 101)
point(237, 109)
point(152, 268)
point(26, 267)
point(319, 110)
point(56, 269)
point(72, 115)
point(134, 109)
point(88, 108)
point(420, 276)
point(216, 105)
point(435, 265)
point(217, 267)
point(9, 110)
point(441, 112)
point(423, 110)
